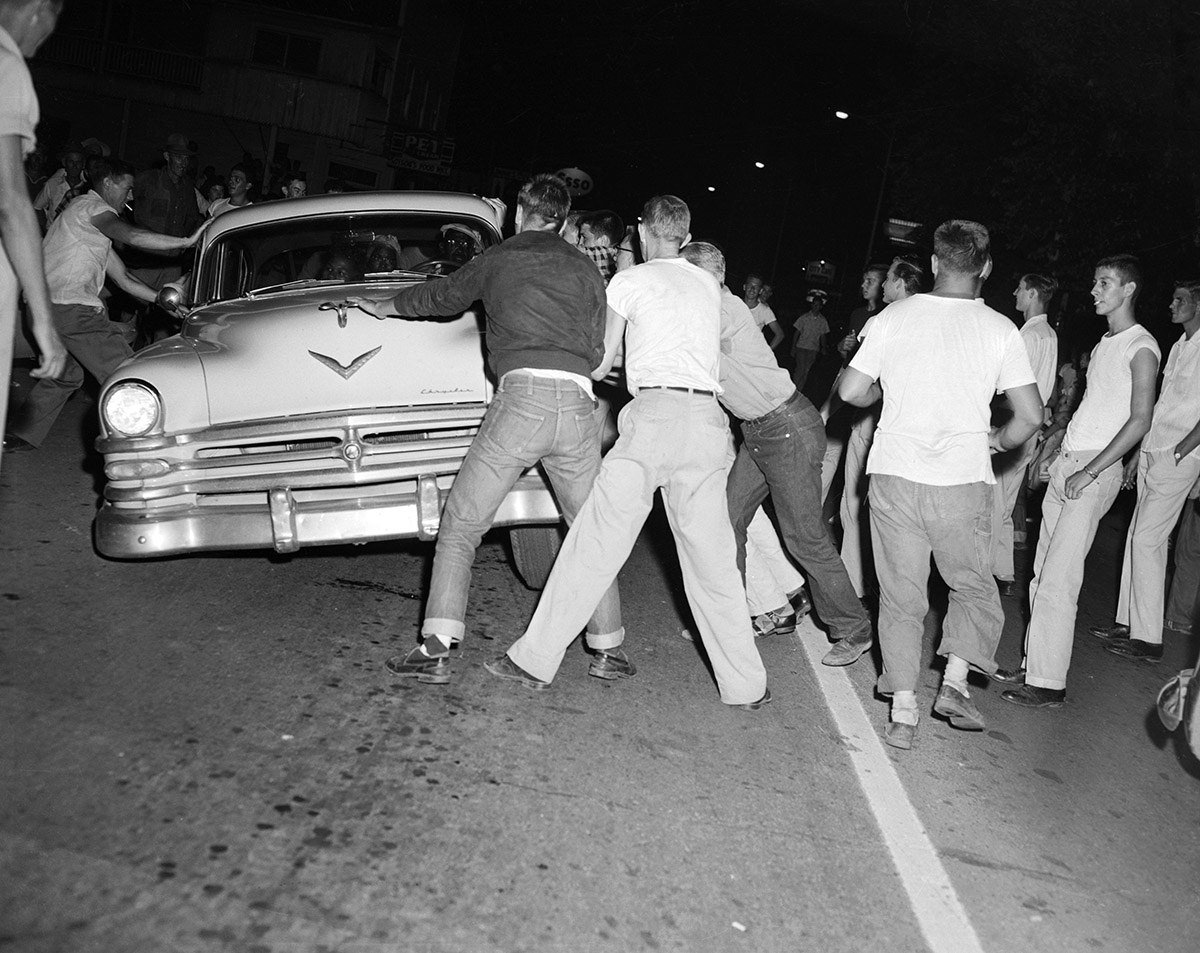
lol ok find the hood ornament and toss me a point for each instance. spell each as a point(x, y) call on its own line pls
point(340, 307)
point(346, 371)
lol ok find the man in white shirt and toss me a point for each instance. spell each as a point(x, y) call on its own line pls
point(1084, 480)
point(1033, 295)
point(78, 252)
point(674, 436)
point(1166, 469)
point(763, 313)
point(937, 359)
point(808, 337)
point(24, 26)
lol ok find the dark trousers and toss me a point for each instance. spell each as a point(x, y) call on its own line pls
point(781, 455)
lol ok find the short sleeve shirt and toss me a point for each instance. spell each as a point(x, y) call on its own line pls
point(752, 379)
point(18, 102)
point(762, 314)
point(939, 361)
point(810, 328)
point(1178, 407)
point(673, 337)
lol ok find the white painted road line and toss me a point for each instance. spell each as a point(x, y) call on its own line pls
point(939, 912)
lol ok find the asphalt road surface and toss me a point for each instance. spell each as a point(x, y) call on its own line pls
point(207, 754)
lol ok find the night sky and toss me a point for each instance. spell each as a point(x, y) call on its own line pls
point(1068, 129)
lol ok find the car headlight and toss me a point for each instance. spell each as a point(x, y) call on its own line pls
point(132, 408)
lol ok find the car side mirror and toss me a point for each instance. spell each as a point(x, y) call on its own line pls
point(171, 298)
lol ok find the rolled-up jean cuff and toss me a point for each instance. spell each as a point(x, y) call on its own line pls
point(452, 629)
point(606, 640)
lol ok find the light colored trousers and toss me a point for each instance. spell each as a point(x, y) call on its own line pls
point(1068, 529)
point(1009, 468)
point(770, 575)
point(909, 523)
point(679, 443)
point(1163, 487)
point(856, 534)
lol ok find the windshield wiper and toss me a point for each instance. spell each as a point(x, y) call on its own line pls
point(400, 273)
point(298, 283)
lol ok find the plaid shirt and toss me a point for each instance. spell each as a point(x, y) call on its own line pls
point(604, 257)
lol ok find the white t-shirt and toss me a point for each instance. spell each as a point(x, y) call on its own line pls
point(18, 117)
point(762, 314)
point(939, 361)
point(223, 205)
point(1105, 405)
point(76, 252)
point(673, 338)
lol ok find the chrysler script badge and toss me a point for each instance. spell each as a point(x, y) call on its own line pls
point(349, 370)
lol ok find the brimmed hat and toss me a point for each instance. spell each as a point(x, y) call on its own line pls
point(464, 230)
point(178, 143)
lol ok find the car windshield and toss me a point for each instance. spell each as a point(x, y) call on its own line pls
point(334, 249)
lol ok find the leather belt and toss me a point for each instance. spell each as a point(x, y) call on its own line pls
point(682, 390)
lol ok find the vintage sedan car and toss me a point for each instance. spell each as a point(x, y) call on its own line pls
point(282, 416)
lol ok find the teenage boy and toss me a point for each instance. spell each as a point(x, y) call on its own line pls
point(1084, 480)
point(1167, 468)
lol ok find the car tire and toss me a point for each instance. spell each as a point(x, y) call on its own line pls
point(533, 550)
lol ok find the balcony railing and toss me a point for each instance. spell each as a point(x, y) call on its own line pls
point(142, 62)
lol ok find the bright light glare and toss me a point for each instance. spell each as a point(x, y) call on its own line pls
point(759, 165)
point(712, 188)
point(842, 114)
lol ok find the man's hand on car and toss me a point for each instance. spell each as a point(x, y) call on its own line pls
point(376, 307)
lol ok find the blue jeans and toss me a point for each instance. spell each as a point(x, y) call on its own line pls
point(781, 455)
point(909, 521)
point(530, 420)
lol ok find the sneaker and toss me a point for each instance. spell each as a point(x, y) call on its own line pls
point(1136, 649)
point(781, 621)
point(504, 667)
point(1110, 633)
point(430, 669)
point(849, 650)
point(959, 709)
point(610, 664)
point(1030, 696)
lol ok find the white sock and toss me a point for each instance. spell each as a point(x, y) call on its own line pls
point(956, 674)
point(904, 708)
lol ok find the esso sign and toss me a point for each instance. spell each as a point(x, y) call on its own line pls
point(578, 182)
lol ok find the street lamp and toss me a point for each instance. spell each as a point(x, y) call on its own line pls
point(883, 178)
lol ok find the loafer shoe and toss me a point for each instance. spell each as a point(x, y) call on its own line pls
point(430, 669)
point(1111, 633)
point(610, 663)
point(801, 603)
point(504, 667)
point(1031, 696)
point(1009, 675)
point(954, 705)
point(15, 444)
point(1136, 649)
point(849, 650)
point(755, 706)
point(900, 735)
point(781, 621)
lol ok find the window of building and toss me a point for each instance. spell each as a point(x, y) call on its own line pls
point(300, 54)
point(381, 71)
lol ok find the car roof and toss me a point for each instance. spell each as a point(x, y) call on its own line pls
point(490, 211)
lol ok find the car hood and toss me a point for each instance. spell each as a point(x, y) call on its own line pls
point(301, 352)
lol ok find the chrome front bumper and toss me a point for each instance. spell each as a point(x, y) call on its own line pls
point(293, 482)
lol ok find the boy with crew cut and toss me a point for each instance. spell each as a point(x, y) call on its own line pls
point(1166, 469)
point(937, 359)
point(1084, 480)
point(674, 436)
point(1033, 294)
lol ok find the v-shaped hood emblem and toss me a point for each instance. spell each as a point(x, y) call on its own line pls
point(348, 370)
